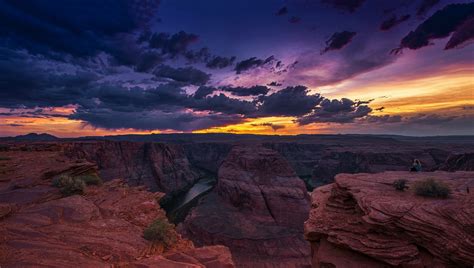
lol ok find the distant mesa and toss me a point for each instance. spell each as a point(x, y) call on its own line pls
point(36, 137)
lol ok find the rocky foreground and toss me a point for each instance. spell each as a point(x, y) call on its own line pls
point(362, 221)
point(257, 210)
point(103, 227)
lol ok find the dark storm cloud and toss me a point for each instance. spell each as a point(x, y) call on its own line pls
point(345, 5)
point(154, 119)
point(462, 35)
point(383, 119)
point(223, 104)
point(203, 91)
point(393, 21)
point(24, 83)
point(201, 55)
point(290, 101)
point(212, 61)
point(218, 62)
point(425, 6)
point(173, 45)
point(282, 11)
point(77, 27)
point(119, 98)
point(275, 127)
point(338, 40)
point(147, 61)
point(440, 25)
point(252, 63)
point(247, 91)
point(274, 84)
point(188, 75)
point(336, 111)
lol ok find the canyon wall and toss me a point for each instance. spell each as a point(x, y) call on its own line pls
point(257, 210)
point(102, 227)
point(160, 167)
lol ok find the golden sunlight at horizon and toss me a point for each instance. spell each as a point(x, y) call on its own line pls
point(446, 92)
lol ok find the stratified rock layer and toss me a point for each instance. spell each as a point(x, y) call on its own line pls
point(161, 167)
point(362, 221)
point(101, 228)
point(257, 210)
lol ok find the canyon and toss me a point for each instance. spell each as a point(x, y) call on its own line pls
point(236, 199)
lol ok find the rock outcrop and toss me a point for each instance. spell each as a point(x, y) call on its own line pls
point(101, 228)
point(257, 210)
point(362, 221)
point(160, 167)
point(459, 162)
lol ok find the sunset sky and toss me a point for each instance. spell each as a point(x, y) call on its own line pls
point(85, 67)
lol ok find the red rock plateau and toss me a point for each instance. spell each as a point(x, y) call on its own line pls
point(257, 210)
point(101, 228)
point(360, 220)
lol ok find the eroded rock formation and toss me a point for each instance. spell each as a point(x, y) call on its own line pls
point(160, 167)
point(362, 221)
point(257, 210)
point(101, 228)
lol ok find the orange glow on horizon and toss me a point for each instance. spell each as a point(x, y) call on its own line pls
point(446, 92)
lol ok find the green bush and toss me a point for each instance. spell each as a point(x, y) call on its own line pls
point(400, 184)
point(160, 231)
point(431, 188)
point(90, 179)
point(69, 185)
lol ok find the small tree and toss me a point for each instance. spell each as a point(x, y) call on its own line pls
point(400, 184)
point(160, 231)
point(432, 188)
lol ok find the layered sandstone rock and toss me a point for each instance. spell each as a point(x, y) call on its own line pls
point(102, 228)
point(362, 221)
point(257, 210)
point(160, 167)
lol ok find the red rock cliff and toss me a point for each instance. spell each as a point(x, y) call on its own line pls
point(362, 221)
point(101, 228)
point(257, 210)
point(161, 167)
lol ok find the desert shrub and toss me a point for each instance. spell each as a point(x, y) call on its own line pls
point(160, 231)
point(432, 188)
point(400, 184)
point(90, 179)
point(69, 185)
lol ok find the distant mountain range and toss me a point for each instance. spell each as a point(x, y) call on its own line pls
point(33, 137)
point(229, 137)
